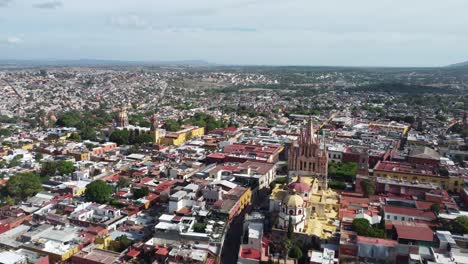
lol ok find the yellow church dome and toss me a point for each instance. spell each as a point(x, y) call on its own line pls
point(293, 200)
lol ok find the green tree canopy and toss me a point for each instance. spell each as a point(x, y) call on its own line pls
point(363, 228)
point(144, 138)
point(199, 227)
point(98, 192)
point(140, 192)
point(435, 208)
point(172, 125)
point(65, 167)
point(5, 132)
point(24, 185)
point(75, 136)
point(121, 137)
point(460, 225)
point(62, 167)
point(123, 182)
point(345, 171)
point(48, 168)
point(368, 187)
point(295, 252)
point(88, 133)
point(38, 156)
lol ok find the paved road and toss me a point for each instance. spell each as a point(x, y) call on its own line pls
point(232, 241)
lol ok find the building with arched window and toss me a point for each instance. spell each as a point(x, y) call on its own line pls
point(310, 209)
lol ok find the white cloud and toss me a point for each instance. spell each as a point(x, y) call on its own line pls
point(13, 40)
point(130, 22)
point(5, 2)
point(49, 5)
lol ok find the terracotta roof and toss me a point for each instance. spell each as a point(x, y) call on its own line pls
point(408, 211)
point(412, 232)
point(376, 241)
point(133, 253)
point(250, 253)
point(162, 251)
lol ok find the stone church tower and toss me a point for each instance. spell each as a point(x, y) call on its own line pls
point(307, 157)
point(122, 118)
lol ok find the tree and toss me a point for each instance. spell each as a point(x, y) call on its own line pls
point(435, 208)
point(75, 136)
point(368, 187)
point(290, 229)
point(98, 191)
point(65, 167)
point(199, 227)
point(140, 192)
point(460, 225)
point(172, 125)
point(144, 138)
point(443, 171)
point(459, 159)
point(123, 182)
point(16, 161)
point(295, 252)
point(9, 201)
point(337, 185)
point(88, 133)
point(441, 118)
point(5, 133)
point(120, 244)
point(121, 137)
point(24, 185)
point(38, 156)
point(287, 245)
point(363, 228)
point(48, 169)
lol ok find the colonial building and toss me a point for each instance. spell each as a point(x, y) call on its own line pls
point(307, 157)
point(311, 210)
point(122, 118)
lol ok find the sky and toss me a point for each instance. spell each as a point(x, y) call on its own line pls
point(240, 32)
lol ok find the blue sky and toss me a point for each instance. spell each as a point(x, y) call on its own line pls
point(273, 32)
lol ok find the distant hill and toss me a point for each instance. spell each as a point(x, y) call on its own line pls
point(461, 64)
point(96, 62)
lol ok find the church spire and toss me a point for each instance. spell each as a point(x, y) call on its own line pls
point(309, 135)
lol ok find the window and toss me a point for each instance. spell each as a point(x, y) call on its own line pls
point(388, 217)
point(395, 217)
point(402, 218)
point(291, 212)
point(299, 212)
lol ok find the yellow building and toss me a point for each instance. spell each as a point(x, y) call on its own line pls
point(420, 173)
point(391, 126)
point(180, 137)
point(245, 199)
point(56, 256)
point(241, 194)
point(79, 156)
point(102, 241)
point(303, 203)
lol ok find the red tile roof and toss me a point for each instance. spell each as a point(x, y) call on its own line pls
point(162, 251)
point(402, 167)
point(376, 241)
point(408, 211)
point(250, 253)
point(133, 253)
point(413, 232)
